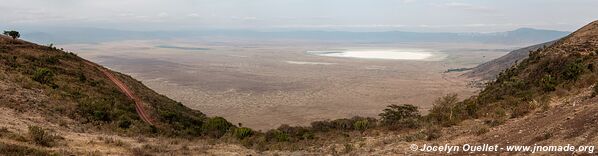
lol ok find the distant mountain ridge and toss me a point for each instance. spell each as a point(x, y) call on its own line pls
point(87, 35)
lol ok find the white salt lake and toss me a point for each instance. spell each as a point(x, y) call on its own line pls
point(393, 54)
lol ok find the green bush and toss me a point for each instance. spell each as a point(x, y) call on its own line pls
point(595, 90)
point(403, 116)
point(308, 136)
point(216, 127)
point(43, 75)
point(548, 83)
point(296, 132)
point(101, 115)
point(573, 70)
point(447, 110)
point(342, 124)
point(361, 125)
point(277, 135)
point(320, 126)
point(40, 136)
point(106, 109)
point(243, 132)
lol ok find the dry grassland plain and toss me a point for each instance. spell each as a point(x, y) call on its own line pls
point(266, 84)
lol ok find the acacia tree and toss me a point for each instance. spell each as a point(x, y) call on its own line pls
point(400, 116)
point(13, 34)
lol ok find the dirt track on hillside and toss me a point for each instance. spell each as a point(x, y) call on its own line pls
point(123, 88)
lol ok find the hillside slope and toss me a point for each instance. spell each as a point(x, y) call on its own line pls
point(491, 69)
point(81, 90)
point(47, 87)
point(549, 99)
point(556, 86)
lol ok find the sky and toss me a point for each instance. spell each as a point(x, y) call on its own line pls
point(274, 15)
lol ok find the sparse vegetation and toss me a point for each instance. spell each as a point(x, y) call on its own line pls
point(428, 133)
point(40, 136)
point(543, 136)
point(432, 133)
point(11, 149)
point(481, 129)
point(113, 141)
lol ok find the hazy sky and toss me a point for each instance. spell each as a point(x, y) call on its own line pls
point(356, 15)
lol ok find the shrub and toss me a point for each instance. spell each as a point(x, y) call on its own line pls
point(105, 109)
point(432, 133)
point(595, 90)
point(446, 110)
point(361, 125)
point(521, 108)
point(43, 75)
point(296, 132)
point(277, 135)
point(101, 115)
point(40, 136)
point(82, 77)
point(342, 124)
point(403, 116)
point(124, 123)
point(320, 126)
point(216, 127)
point(243, 132)
point(573, 70)
point(11, 149)
point(548, 83)
point(11, 61)
point(308, 136)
